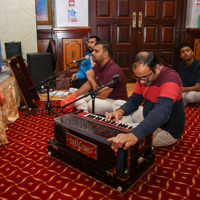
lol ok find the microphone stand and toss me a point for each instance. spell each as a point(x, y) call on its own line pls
point(92, 94)
point(48, 105)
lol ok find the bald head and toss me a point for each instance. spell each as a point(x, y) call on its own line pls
point(145, 58)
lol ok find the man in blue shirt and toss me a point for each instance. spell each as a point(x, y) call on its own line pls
point(189, 71)
point(79, 78)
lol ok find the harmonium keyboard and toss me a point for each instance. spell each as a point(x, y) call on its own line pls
point(80, 141)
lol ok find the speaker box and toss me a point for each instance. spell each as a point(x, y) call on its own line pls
point(40, 67)
point(12, 49)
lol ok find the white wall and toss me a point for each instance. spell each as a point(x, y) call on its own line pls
point(61, 11)
point(18, 23)
point(18, 20)
point(193, 12)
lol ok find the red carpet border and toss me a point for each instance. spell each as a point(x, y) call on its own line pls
point(26, 171)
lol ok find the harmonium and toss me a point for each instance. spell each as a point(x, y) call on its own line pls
point(80, 142)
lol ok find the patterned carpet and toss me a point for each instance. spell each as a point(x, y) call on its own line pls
point(26, 171)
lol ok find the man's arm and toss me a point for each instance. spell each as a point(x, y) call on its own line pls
point(161, 112)
point(196, 88)
point(123, 141)
point(74, 77)
point(115, 116)
point(103, 93)
point(85, 65)
point(86, 87)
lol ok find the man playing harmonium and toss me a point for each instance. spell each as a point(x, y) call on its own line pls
point(103, 71)
point(160, 90)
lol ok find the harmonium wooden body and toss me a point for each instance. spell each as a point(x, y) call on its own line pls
point(81, 142)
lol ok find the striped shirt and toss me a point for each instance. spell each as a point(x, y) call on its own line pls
point(163, 105)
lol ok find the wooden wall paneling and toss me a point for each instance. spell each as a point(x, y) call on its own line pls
point(72, 50)
point(123, 34)
point(194, 33)
point(43, 45)
point(197, 48)
point(44, 33)
point(123, 58)
point(104, 32)
point(150, 9)
point(123, 8)
point(168, 57)
point(169, 9)
point(62, 33)
point(180, 32)
point(185, 31)
point(167, 34)
point(150, 34)
point(106, 5)
point(43, 37)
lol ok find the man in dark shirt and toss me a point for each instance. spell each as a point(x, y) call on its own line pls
point(160, 90)
point(189, 71)
point(101, 74)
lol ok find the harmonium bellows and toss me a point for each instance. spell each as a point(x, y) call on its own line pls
point(80, 141)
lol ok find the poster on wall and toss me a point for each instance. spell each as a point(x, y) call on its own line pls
point(43, 12)
point(71, 2)
point(72, 15)
point(68, 15)
point(197, 2)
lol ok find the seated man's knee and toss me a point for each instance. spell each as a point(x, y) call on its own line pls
point(192, 97)
point(117, 104)
point(137, 116)
point(81, 105)
point(100, 106)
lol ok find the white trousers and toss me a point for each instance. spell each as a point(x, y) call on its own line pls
point(160, 137)
point(191, 97)
point(101, 106)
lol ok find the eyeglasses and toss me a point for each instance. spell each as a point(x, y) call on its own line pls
point(144, 78)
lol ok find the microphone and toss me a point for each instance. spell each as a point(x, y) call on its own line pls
point(81, 59)
point(116, 77)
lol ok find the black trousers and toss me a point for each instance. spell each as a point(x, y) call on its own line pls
point(78, 83)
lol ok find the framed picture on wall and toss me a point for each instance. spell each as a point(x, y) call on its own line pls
point(43, 12)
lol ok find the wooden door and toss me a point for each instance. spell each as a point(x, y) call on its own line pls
point(136, 25)
point(111, 20)
point(160, 29)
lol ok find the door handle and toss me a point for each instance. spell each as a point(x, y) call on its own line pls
point(140, 20)
point(134, 19)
